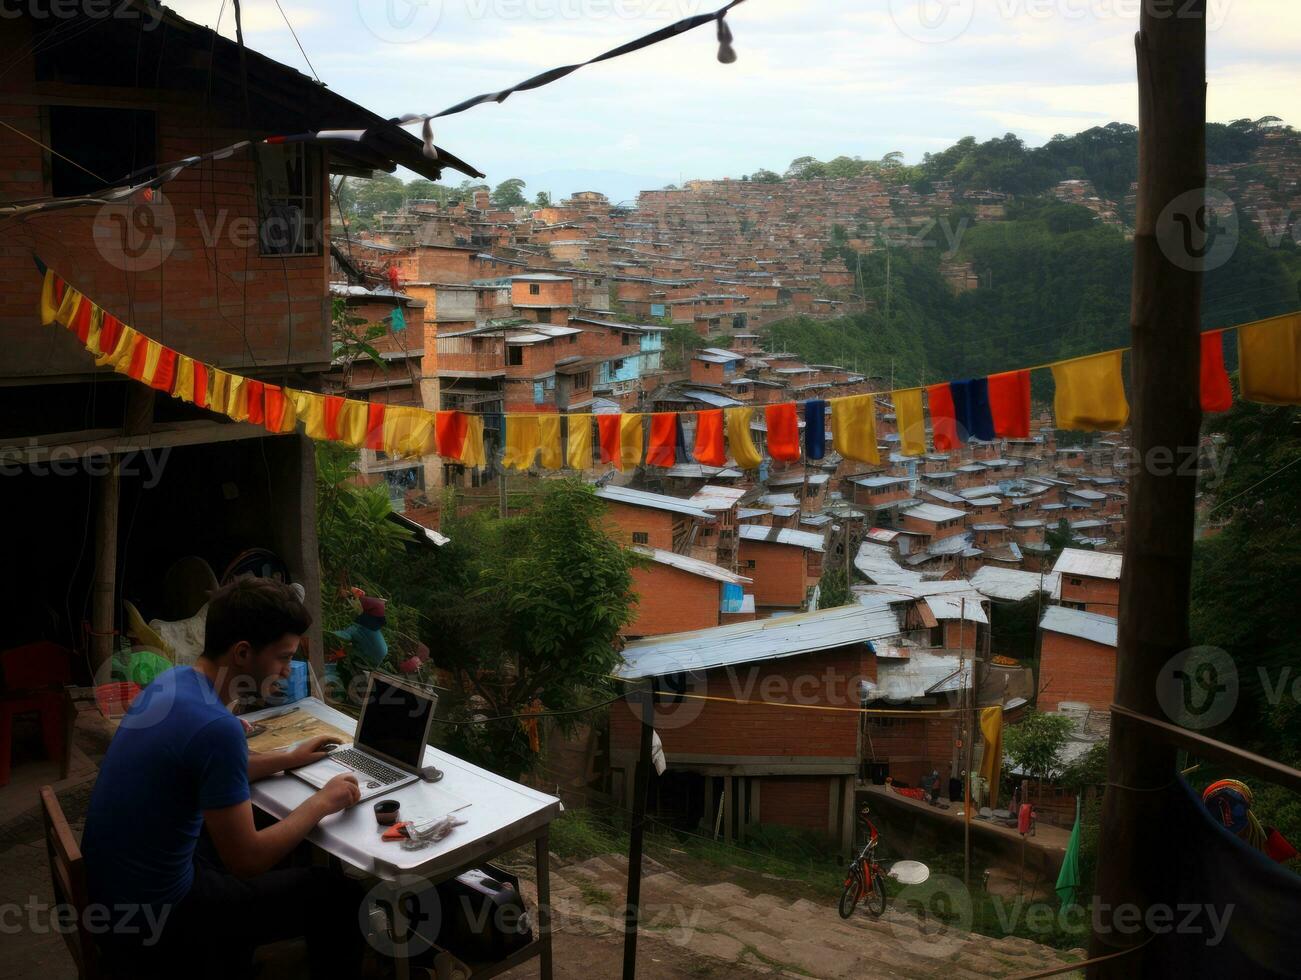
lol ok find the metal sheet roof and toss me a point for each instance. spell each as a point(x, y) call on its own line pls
point(876, 562)
point(695, 566)
point(1094, 564)
point(1011, 584)
point(935, 513)
point(1075, 622)
point(765, 639)
point(656, 501)
point(781, 535)
point(711, 497)
point(710, 398)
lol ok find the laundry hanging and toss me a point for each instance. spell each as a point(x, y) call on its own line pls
point(375, 414)
point(450, 429)
point(255, 403)
point(1269, 360)
point(632, 436)
point(578, 429)
point(853, 428)
point(523, 440)
point(708, 450)
point(1090, 393)
point(815, 429)
point(607, 433)
point(663, 439)
point(910, 422)
point(944, 423)
point(971, 409)
point(549, 430)
point(1009, 404)
point(783, 425)
point(739, 441)
point(475, 453)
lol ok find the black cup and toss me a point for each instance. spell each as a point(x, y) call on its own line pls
point(386, 812)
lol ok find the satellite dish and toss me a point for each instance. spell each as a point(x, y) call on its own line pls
point(909, 872)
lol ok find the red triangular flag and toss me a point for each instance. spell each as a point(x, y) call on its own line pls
point(944, 425)
point(783, 432)
point(708, 450)
point(607, 427)
point(1216, 392)
point(1009, 403)
point(663, 440)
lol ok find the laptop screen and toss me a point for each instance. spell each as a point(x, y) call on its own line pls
point(395, 722)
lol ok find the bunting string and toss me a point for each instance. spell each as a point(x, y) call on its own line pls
point(1089, 396)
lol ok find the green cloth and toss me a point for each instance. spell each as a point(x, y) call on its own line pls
point(1069, 878)
point(145, 665)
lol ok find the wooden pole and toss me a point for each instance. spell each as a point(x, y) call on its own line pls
point(632, 909)
point(105, 589)
point(1165, 318)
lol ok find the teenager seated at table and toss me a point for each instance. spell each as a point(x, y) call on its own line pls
point(182, 904)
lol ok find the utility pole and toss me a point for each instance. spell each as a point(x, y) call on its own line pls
point(632, 910)
point(1165, 316)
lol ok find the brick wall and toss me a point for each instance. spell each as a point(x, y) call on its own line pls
point(672, 601)
point(627, 520)
point(213, 298)
point(796, 801)
point(911, 746)
point(1098, 595)
point(780, 572)
point(1073, 669)
point(773, 727)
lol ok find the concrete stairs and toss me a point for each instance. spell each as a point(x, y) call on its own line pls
point(767, 934)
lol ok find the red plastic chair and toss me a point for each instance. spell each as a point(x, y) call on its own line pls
point(33, 678)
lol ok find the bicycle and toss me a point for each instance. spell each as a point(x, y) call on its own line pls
point(865, 878)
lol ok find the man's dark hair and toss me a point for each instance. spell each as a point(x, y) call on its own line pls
point(257, 610)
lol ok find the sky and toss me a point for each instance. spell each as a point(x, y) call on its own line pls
point(813, 77)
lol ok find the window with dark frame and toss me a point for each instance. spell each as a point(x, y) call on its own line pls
point(514, 355)
point(640, 537)
point(95, 147)
point(535, 289)
point(289, 199)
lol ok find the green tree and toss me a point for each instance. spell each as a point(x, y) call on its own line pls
point(834, 588)
point(509, 194)
point(762, 176)
point(679, 344)
point(543, 200)
point(1035, 743)
point(536, 615)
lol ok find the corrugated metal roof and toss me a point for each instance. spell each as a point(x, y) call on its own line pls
point(765, 639)
point(710, 398)
point(657, 501)
point(934, 513)
point(953, 607)
point(781, 535)
point(779, 500)
point(903, 679)
point(1011, 584)
point(1095, 564)
point(693, 565)
point(989, 490)
point(876, 563)
point(879, 481)
point(1075, 622)
point(711, 497)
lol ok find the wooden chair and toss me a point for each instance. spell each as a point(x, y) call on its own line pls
point(68, 877)
point(33, 680)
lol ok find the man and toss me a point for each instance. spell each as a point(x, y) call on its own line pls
point(180, 764)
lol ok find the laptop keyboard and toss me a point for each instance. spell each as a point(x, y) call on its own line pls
point(365, 764)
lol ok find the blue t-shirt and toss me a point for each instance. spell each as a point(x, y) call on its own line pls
point(179, 751)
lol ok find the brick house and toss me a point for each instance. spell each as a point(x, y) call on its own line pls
point(654, 520)
point(771, 760)
point(233, 270)
point(933, 521)
point(679, 594)
point(784, 564)
point(1077, 658)
point(1090, 580)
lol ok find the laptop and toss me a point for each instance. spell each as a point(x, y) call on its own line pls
point(388, 749)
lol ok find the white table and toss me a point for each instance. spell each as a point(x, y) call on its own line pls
point(502, 816)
